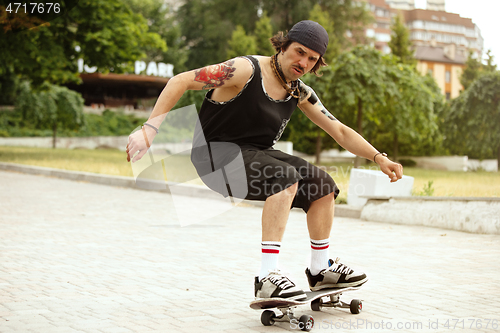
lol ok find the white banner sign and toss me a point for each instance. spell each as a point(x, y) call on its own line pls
point(160, 69)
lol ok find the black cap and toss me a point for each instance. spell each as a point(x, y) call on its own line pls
point(310, 34)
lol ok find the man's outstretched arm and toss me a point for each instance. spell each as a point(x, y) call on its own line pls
point(345, 136)
point(229, 76)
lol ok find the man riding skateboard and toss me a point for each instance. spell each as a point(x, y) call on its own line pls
point(248, 104)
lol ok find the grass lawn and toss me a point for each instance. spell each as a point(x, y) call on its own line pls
point(114, 162)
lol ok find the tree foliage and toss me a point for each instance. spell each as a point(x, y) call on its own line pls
point(161, 19)
point(472, 124)
point(207, 26)
point(109, 35)
point(263, 31)
point(241, 43)
point(50, 108)
point(386, 101)
point(400, 42)
point(474, 69)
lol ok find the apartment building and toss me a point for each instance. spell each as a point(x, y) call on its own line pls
point(441, 40)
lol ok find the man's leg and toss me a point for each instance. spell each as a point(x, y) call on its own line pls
point(275, 214)
point(319, 224)
point(320, 217)
point(271, 283)
point(324, 272)
point(274, 219)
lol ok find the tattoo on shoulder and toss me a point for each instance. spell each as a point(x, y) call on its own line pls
point(307, 93)
point(214, 76)
point(304, 91)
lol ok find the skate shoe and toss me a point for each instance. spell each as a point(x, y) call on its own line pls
point(336, 276)
point(276, 285)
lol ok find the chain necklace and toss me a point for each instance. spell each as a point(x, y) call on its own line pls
point(293, 89)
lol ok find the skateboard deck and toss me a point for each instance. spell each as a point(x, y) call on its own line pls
point(270, 303)
point(315, 298)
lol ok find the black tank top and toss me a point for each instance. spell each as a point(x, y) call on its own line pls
point(251, 119)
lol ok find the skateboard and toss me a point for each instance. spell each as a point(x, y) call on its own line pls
point(315, 298)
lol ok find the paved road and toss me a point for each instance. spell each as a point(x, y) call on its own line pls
point(80, 257)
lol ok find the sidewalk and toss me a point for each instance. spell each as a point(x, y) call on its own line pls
point(82, 257)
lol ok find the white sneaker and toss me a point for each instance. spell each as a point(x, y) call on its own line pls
point(336, 276)
point(276, 285)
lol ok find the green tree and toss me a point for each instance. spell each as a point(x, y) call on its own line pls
point(400, 42)
point(51, 108)
point(358, 88)
point(489, 67)
point(263, 32)
point(207, 26)
point(474, 69)
point(241, 43)
point(109, 35)
point(350, 18)
point(409, 117)
point(473, 121)
point(162, 20)
point(471, 72)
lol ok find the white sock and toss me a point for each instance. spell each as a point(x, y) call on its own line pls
point(270, 254)
point(319, 255)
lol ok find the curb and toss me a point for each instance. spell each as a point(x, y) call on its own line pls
point(129, 182)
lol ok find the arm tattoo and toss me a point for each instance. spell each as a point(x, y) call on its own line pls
point(328, 114)
point(309, 94)
point(215, 75)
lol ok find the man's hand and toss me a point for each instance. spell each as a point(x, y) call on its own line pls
point(390, 168)
point(139, 142)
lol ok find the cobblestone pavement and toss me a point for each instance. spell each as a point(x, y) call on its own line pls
point(80, 257)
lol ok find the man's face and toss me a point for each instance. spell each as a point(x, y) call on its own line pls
point(298, 60)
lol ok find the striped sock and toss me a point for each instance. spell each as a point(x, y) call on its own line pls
point(319, 255)
point(270, 254)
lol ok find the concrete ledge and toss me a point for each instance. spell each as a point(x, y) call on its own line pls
point(152, 185)
point(475, 215)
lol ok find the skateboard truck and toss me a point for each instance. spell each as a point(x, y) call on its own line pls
point(355, 306)
point(305, 322)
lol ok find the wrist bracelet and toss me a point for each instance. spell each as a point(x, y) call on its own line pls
point(383, 154)
point(151, 127)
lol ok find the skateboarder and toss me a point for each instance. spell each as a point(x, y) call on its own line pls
point(248, 104)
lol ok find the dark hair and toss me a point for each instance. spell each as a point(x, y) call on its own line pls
point(282, 42)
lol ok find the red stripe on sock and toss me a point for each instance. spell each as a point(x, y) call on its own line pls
point(320, 248)
point(270, 251)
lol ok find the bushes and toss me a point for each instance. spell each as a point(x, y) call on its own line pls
point(108, 124)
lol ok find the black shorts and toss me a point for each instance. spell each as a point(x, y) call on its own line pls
point(255, 174)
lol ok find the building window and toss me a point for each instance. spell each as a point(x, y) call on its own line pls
point(448, 96)
point(447, 76)
point(430, 71)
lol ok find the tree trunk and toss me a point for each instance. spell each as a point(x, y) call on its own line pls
point(54, 132)
point(319, 142)
point(395, 148)
point(498, 159)
point(357, 161)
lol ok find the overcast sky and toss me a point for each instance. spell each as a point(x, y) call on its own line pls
point(484, 13)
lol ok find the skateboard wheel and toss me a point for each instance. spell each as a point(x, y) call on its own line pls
point(306, 323)
point(267, 318)
point(317, 304)
point(356, 306)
